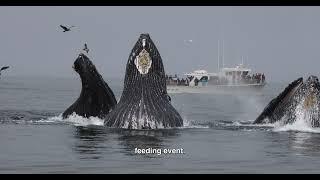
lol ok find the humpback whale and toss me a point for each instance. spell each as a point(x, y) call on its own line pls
point(144, 103)
point(297, 97)
point(96, 98)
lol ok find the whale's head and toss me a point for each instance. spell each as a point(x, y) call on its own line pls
point(309, 94)
point(307, 101)
point(144, 103)
point(96, 98)
point(83, 65)
point(313, 84)
point(145, 63)
point(86, 69)
point(300, 101)
point(277, 107)
point(142, 56)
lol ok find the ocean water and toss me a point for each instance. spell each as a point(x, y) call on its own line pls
point(217, 137)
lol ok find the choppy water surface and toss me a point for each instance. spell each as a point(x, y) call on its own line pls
point(217, 137)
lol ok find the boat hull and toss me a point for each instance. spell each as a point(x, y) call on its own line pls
point(209, 89)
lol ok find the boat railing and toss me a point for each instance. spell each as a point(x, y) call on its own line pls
point(177, 82)
point(254, 79)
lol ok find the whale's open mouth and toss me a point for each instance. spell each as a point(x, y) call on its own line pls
point(311, 92)
point(309, 101)
point(313, 84)
point(299, 100)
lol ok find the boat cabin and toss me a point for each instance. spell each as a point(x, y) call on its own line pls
point(198, 78)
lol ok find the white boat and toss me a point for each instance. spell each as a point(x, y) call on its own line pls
point(200, 81)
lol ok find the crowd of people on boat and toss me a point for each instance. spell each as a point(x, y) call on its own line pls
point(175, 80)
point(255, 78)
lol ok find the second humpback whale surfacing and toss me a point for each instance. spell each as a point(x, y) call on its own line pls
point(144, 103)
point(300, 100)
point(96, 98)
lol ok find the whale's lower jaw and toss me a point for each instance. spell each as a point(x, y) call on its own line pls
point(96, 102)
point(144, 113)
point(87, 110)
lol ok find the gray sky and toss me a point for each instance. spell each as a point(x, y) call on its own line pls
point(283, 42)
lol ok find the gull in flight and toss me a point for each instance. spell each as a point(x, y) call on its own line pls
point(66, 28)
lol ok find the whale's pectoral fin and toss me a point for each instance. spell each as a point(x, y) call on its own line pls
point(276, 109)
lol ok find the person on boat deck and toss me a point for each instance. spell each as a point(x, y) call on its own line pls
point(169, 79)
point(254, 78)
point(187, 82)
point(182, 81)
point(263, 78)
point(196, 81)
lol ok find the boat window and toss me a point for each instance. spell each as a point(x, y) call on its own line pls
point(204, 78)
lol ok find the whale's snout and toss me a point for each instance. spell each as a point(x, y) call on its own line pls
point(82, 64)
point(144, 36)
point(313, 83)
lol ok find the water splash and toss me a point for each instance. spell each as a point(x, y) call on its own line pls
point(302, 122)
point(75, 120)
point(187, 124)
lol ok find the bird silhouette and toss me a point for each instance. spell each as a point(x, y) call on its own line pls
point(3, 68)
point(86, 48)
point(66, 28)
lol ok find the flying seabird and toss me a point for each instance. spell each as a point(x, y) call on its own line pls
point(66, 28)
point(86, 48)
point(3, 68)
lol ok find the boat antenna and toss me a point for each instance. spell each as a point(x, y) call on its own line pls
point(222, 53)
point(247, 59)
point(218, 55)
